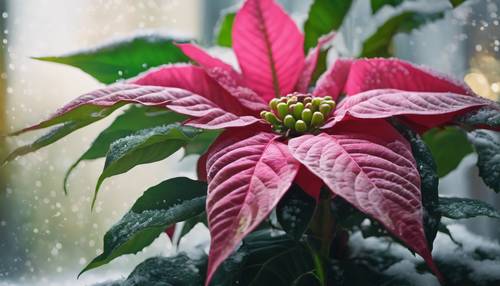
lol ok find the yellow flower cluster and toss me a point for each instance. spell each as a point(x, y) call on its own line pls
point(298, 113)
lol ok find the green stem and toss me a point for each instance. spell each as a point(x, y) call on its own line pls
point(323, 230)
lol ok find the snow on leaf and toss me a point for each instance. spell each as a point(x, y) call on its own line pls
point(487, 117)
point(458, 208)
point(269, 48)
point(199, 56)
point(371, 166)
point(428, 109)
point(165, 204)
point(132, 120)
point(147, 146)
point(123, 58)
point(368, 74)
point(487, 146)
point(247, 178)
point(194, 79)
point(99, 103)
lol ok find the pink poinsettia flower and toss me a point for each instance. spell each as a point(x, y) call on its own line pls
point(348, 148)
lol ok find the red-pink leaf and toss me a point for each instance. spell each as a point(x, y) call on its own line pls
point(247, 178)
point(205, 60)
point(92, 105)
point(226, 77)
point(368, 74)
point(310, 64)
point(247, 97)
point(428, 109)
point(371, 166)
point(170, 231)
point(269, 48)
point(201, 168)
point(309, 182)
point(333, 80)
point(194, 79)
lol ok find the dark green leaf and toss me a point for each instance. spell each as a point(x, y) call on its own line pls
point(50, 137)
point(488, 116)
point(379, 43)
point(267, 258)
point(191, 222)
point(443, 228)
point(199, 145)
point(324, 16)
point(456, 3)
point(167, 203)
point(295, 211)
point(377, 4)
point(487, 146)
point(448, 147)
point(429, 183)
point(345, 214)
point(179, 270)
point(133, 119)
point(78, 118)
point(224, 29)
point(459, 208)
point(147, 146)
point(124, 59)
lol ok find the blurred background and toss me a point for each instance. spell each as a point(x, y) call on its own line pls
point(46, 237)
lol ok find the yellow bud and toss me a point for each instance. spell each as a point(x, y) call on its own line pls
point(300, 126)
point(297, 110)
point(271, 118)
point(316, 102)
point(325, 109)
point(327, 98)
point(273, 103)
point(307, 115)
point(330, 102)
point(317, 119)
point(263, 114)
point(282, 110)
point(289, 121)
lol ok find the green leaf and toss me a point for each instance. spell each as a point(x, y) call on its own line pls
point(429, 183)
point(295, 211)
point(125, 58)
point(487, 146)
point(147, 146)
point(267, 258)
point(456, 3)
point(488, 116)
point(179, 270)
point(167, 203)
point(459, 208)
point(200, 144)
point(224, 29)
point(323, 17)
point(443, 228)
point(66, 124)
point(50, 137)
point(133, 119)
point(377, 4)
point(448, 147)
point(191, 222)
point(379, 43)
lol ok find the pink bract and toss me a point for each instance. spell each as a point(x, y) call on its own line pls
point(357, 155)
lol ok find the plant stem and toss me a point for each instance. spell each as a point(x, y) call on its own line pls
point(323, 230)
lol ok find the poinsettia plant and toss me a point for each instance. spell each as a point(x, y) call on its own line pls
point(290, 163)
